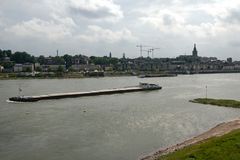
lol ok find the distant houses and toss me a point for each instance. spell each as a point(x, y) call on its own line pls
point(27, 67)
point(85, 67)
point(82, 63)
point(21, 62)
point(182, 64)
point(52, 65)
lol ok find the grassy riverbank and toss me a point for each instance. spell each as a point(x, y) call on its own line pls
point(226, 147)
point(219, 143)
point(63, 75)
point(218, 102)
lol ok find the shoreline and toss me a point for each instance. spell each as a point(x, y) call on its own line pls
point(66, 76)
point(14, 76)
point(217, 131)
point(217, 102)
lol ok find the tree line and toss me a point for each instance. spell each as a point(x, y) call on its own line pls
point(68, 60)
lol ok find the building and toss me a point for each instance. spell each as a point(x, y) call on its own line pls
point(195, 52)
point(86, 67)
point(1, 68)
point(53, 64)
point(80, 59)
point(229, 67)
point(27, 67)
point(17, 68)
point(52, 67)
point(37, 67)
point(229, 60)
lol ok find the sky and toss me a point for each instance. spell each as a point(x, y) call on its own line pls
point(97, 27)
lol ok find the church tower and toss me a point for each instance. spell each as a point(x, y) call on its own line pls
point(195, 52)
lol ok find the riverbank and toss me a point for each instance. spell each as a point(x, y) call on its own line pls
point(218, 102)
point(78, 75)
point(63, 75)
point(217, 131)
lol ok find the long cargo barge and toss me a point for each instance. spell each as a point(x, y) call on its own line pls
point(141, 87)
point(157, 75)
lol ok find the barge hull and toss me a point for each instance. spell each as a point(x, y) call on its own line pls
point(79, 94)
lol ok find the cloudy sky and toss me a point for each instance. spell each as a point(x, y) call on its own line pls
point(96, 27)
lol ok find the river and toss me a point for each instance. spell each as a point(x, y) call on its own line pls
point(109, 127)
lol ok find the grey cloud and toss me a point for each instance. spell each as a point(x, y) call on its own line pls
point(198, 1)
point(168, 20)
point(76, 17)
point(234, 43)
point(105, 10)
point(93, 14)
point(234, 16)
point(199, 17)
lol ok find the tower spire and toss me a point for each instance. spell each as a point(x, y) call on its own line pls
point(195, 52)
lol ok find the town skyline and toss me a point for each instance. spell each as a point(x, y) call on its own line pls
point(97, 27)
point(147, 52)
point(183, 64)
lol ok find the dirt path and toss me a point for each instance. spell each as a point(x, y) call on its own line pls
point(219, 130)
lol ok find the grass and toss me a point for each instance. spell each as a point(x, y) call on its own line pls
point(13, 76)
point(218, 102)
point(226, 147)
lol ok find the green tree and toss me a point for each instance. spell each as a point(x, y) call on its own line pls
point(28, 69)
point(60, 69)
point(4, 53)
point(41, 59)
point(70, 69)
point(38, 69)
point(7, 64)
point(68, 60)
point(103, 60)
point(58, 60)
point(1, 54)
point(114, 61)
point(7, 53)
point(22, 57)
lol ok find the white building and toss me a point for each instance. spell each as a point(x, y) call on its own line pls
point(18, 68)
point(27, 67)
point(1, 68)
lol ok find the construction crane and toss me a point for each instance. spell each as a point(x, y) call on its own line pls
point(141, 48)
point(148, 52)
point(152, 50)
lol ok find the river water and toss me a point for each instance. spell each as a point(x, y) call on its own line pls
point(109, 127)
